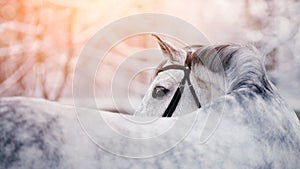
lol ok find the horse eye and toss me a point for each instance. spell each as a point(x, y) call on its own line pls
point(159, 91)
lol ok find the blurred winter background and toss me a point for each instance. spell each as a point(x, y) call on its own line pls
point(40, 41)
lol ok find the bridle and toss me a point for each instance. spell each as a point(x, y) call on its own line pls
point(174, 102)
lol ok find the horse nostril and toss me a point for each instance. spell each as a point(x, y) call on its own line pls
point(159, 91)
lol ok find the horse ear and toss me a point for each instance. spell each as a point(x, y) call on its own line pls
point(170, 51)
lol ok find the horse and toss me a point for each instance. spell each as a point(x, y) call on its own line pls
point(213, 108)
point(232, 80)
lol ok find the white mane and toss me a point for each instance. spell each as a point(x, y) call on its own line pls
point(240, 66)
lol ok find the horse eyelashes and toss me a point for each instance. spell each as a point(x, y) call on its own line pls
point(159, 91)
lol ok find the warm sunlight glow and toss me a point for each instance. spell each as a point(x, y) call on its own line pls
point(41, 39)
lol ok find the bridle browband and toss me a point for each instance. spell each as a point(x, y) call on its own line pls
point(174, 102)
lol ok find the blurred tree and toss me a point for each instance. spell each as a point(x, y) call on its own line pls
point(36, 48)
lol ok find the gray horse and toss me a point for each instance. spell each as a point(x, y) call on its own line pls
point(223, 113)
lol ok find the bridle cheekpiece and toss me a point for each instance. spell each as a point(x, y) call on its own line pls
point(175, 100)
